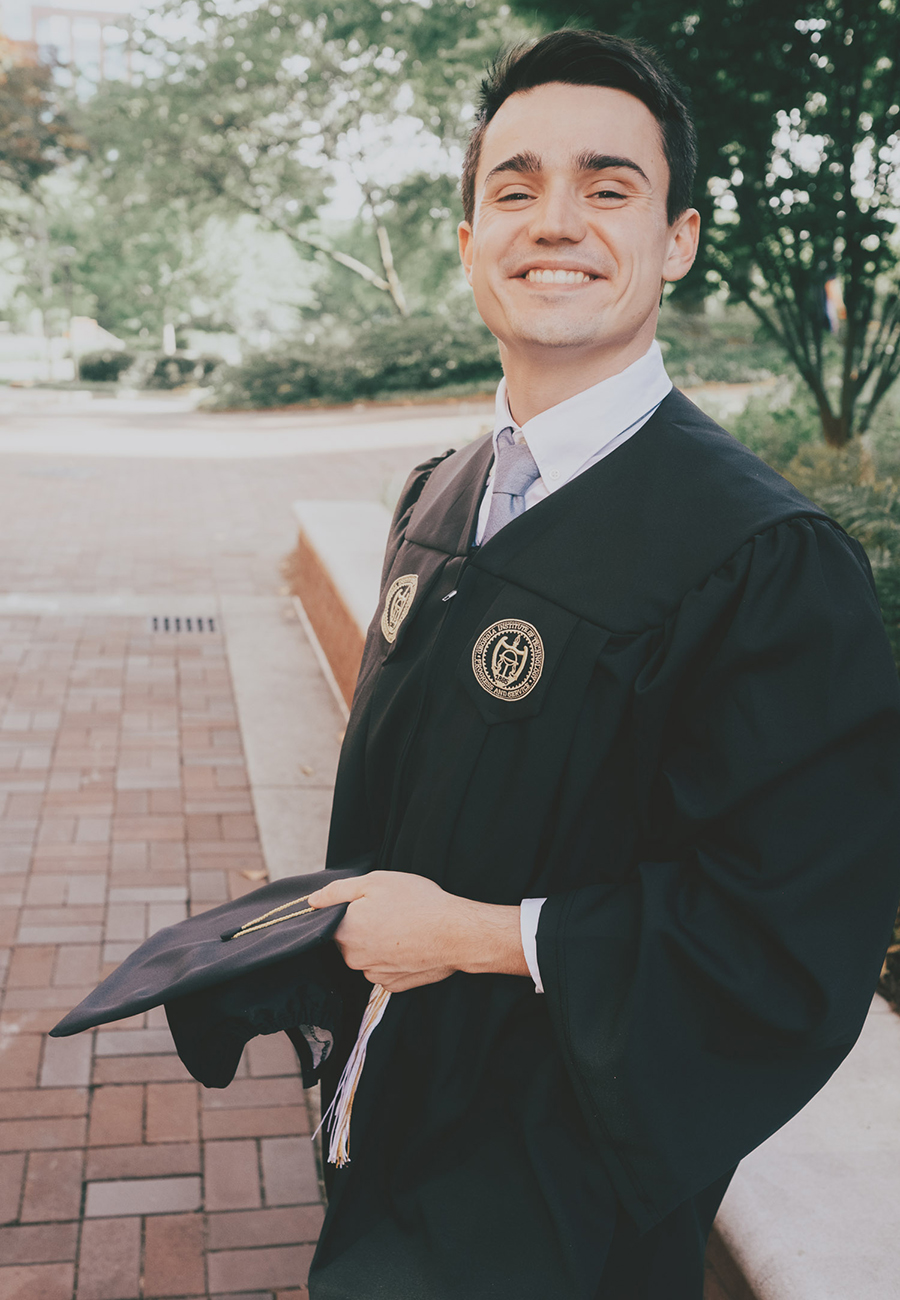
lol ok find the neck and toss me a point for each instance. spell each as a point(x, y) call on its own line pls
point(538, 378)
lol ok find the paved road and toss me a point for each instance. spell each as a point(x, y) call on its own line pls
point(171, 428)
point(145, 774)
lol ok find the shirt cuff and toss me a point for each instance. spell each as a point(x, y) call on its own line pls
point(529, 914)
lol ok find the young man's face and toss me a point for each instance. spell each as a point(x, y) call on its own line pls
point(570, 241)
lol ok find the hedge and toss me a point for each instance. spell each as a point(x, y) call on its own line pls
point(380, 359)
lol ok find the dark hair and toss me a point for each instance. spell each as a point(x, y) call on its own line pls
point(585, 58)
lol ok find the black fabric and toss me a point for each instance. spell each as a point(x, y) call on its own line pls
point(222, 987)
point(298, 994)
point(704, 784)
point(668, 1261)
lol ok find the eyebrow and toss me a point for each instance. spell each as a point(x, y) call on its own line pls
point(528, 164)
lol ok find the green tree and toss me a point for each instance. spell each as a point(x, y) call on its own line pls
point(798, 115)
point(144, 267)
point(249, 108)
point(36, 134)
point(37, 140)
point(133, 267)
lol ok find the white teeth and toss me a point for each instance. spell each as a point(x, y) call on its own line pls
point(546, 276)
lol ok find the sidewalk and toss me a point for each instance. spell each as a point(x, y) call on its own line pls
point(141, 772)
point(126, 801)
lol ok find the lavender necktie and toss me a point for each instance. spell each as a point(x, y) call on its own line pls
point(514, 472)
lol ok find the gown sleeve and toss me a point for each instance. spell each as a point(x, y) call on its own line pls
point(703, 1001)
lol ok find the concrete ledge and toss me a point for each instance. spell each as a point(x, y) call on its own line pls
point(335, 573)
point(812, 1214)
point(290, 730)
point(724, 1279)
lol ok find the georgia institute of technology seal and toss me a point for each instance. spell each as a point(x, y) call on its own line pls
point(508, 659)
point(396, 604)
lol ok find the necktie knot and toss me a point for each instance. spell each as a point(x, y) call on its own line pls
point(515, 469)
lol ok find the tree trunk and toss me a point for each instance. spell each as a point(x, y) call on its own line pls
point(390, 272)
point(309, 241)
point(835, 428)
point(342, 259)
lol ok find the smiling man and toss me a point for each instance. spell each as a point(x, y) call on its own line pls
point(626, 748)
point(573, 243)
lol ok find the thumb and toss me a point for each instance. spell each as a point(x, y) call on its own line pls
point(339, 891)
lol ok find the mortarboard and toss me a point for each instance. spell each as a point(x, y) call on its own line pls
point(260, 964)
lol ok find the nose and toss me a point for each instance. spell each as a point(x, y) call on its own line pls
point(557, 217)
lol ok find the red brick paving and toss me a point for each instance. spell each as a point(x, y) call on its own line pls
point(124, 806)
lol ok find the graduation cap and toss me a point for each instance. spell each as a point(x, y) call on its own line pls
point(258, 965)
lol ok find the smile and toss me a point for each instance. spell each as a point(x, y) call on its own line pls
point(540, 275)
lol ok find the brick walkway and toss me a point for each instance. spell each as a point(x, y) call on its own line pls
point(125, 805)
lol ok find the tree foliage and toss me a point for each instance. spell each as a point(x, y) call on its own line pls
point(248, 107)
point(146, 266)
point(798, 114)
point(36, 135)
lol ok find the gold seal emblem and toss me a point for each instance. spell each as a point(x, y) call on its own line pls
point(508, 659)
point(396, 604)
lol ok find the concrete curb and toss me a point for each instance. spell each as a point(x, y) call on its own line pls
point(291, 730)
point(336, 575)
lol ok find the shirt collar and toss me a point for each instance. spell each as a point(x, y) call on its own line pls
point(563, 438)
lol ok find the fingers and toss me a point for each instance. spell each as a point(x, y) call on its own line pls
point(339, 891)
point(399, 981)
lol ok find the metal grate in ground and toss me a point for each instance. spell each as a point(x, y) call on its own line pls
point(179, 623)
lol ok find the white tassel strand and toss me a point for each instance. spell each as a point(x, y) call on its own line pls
point(342, 1101)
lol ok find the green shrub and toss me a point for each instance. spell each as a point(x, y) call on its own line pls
point(731, 348)
point(103, 367)
point(380, 359)
point(776, 425)
point(883, 436)
point(175, 371)
point(887, 584)
point(782, 427)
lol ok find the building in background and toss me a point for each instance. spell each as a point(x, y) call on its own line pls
point(90, 38)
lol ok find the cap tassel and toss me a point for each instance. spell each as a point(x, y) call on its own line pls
point(342, 1101)
point(260, 923)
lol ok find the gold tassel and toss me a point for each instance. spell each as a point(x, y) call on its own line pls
point(260, 922)
point(342, 1101)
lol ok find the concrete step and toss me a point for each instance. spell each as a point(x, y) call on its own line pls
point(335, 574)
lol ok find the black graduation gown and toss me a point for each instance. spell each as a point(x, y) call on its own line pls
point(702, 776)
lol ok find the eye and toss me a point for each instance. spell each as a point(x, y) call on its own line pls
point(514, 197)
point(607, 194)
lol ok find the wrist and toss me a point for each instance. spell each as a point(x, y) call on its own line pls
point(488, 939)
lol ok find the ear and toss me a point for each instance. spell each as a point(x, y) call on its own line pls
point(683, 241)
point(466, 247)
